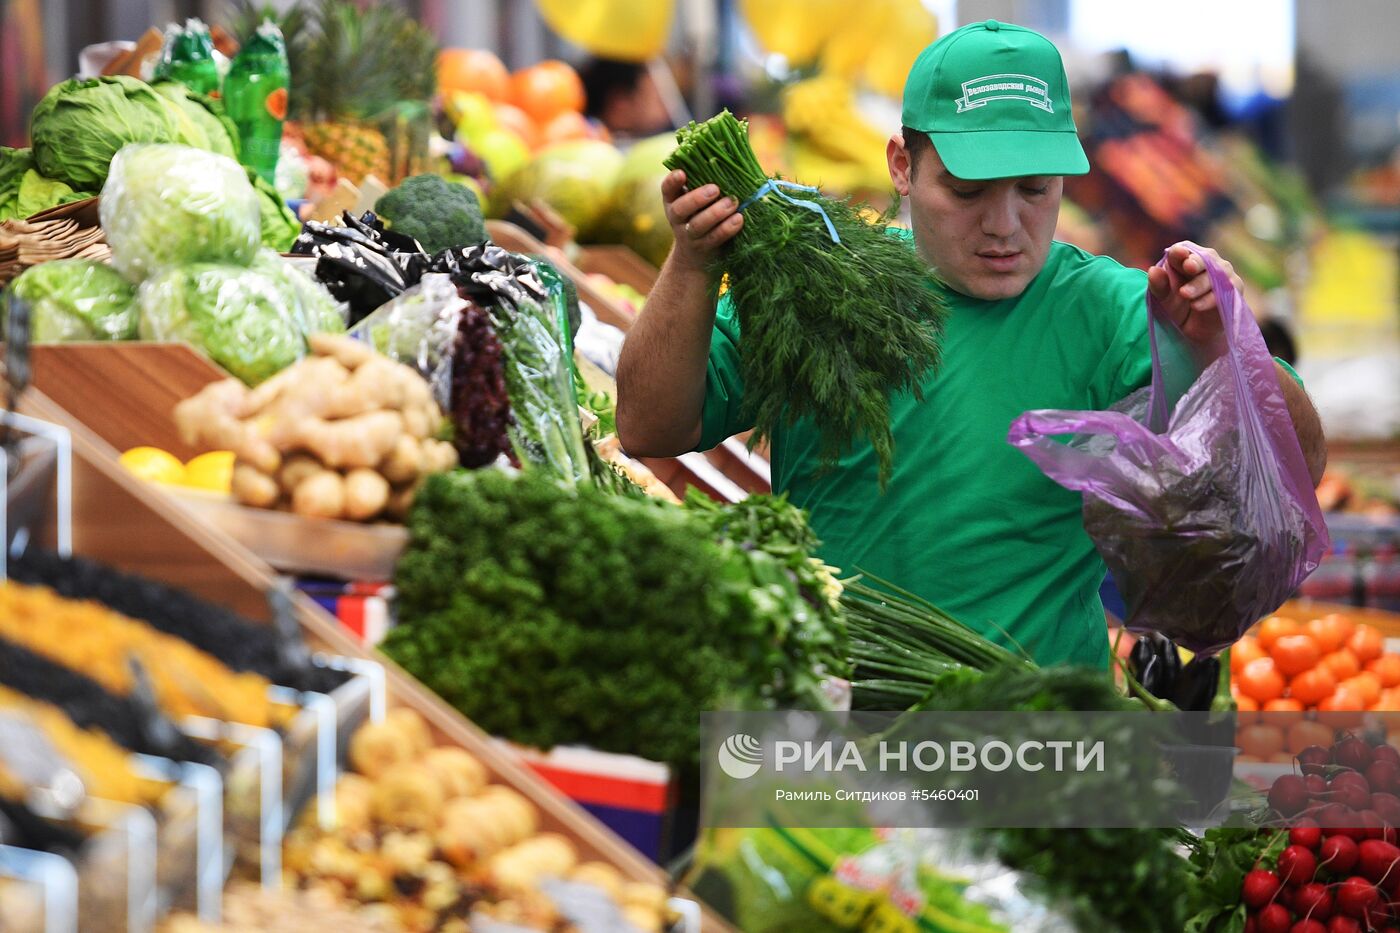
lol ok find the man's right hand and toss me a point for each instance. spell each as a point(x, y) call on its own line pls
point(701, 220)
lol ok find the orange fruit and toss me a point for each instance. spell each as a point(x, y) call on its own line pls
point(1307, 732)
point(1312, 687)
point(546, 90)
point(1275, 627)
point(1389, 701)
point(1387, 668)
point(1330, 632)
point(1344, 699)
point(1260, 740)
point(1283, 705)
point(1366, 643)
point(1261, 681)
point(1294, 654)
point(511, 117)
point(472, 70)
point(1342, 664)
point(1244, 651)
point(564, 127)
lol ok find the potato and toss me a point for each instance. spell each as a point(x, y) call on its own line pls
point(419, 421)
point(439, 456)
point(366, 494)
point(321, 495)
point(251, 486)
point(401, 500)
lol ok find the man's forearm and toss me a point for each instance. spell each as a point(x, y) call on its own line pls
point(661, 371)
point(1305, 422)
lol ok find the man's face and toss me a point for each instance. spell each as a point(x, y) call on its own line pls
point(986, 239)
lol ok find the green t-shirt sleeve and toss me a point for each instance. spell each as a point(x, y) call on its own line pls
point(723, 415)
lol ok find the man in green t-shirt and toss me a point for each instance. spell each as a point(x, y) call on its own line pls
point(966, 521)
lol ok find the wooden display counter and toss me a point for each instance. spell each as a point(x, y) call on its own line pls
point(121, 392)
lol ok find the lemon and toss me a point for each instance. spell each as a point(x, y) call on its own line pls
point(153, 464)
point(213, 471)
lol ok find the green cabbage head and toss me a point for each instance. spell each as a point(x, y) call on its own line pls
point(77, 299)
point(166, 205)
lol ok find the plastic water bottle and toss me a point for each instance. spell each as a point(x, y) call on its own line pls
point(255, 98)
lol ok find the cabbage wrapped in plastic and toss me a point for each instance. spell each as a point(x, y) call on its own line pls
point(77, 299)
point(167, 205)
point(244, 320)
point(317, 311)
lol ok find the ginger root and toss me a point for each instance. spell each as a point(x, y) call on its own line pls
point(366, 494)
point(405, 463)
point(322, 495)
point(362, 441)
point(251, 486)
point(348, 351)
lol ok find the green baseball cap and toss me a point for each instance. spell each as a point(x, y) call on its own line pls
point(995, 101)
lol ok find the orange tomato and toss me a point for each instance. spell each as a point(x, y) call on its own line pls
point(1342, 664)
point(1283, 705)
point(1261, 681)
point(1275, 627)
point(1345, 699)
point(1366, 643)
point(1330, 632)
point(472, 70)
point(512, 118)
point(1260, 740)
point(1307, 732)
point(546, 90)
point(1366, 684)
point(1387, 668)
point(1294, 654)
point(1312, 687)
point(1389, 701)
point(1244, 651)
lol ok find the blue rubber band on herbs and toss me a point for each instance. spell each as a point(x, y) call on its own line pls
point(776, 186)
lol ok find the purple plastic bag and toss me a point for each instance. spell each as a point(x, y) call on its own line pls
point(1201, 506)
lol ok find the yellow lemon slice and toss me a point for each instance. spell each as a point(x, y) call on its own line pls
point(153, 464)
point(213, 471)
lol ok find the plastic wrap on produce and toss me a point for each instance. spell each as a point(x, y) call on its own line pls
point(600, 344)
point(419, 329)
point(168, 205)
point(77, 299)
point(1200, 503)
point(242, 319)
point(361, 263)
point(319, 312)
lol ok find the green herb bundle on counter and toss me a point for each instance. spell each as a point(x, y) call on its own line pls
point(552, 614)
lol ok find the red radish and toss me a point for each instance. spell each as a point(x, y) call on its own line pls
point(1307, 833)
point(1297, 865)
point(1371, 825)
point(1377, 859)
point(1334, 816)
point(1353, 753)
point(1251, 925)
point(1316, 784)
point(1308, 926)
point(1289, 794)
point(1387, 807)
point(1259, 888)
point(1339, 854)
point(1313, 759)
point(1313, 900)
point(1340, 924)
point(1357, 897)
point(1274, 919)
point(1386, 753)
point(1350, 790)
point(1382, 776)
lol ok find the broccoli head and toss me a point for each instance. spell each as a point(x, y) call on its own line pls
point(437, 213)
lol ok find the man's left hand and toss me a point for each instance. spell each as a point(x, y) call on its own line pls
point(1184, 290)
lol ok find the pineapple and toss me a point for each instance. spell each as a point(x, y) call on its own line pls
point(351, 78)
